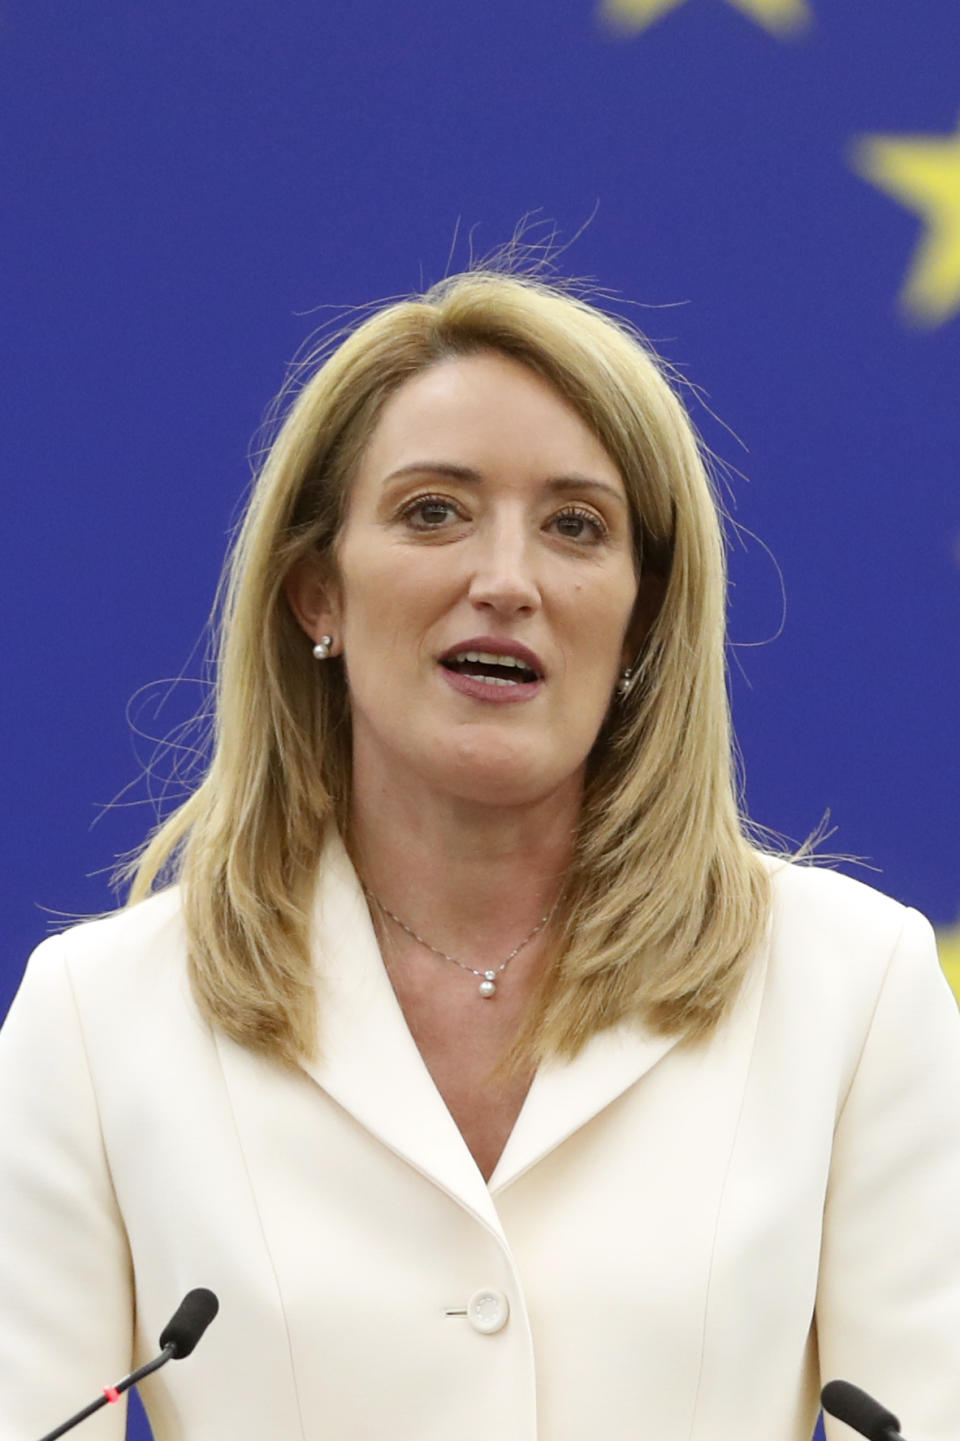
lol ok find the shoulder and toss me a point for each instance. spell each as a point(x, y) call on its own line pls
point(836, 944)
point(154, 922)
point(116, 961)
point(100, 998)
point(815, 905)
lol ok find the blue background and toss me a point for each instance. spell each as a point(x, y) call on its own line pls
point(190, 189)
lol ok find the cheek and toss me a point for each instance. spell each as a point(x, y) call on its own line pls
point(603, 620)
point(366, 578)
point(387, 609)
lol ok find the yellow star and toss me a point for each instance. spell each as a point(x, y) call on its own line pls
point(923, 173)
point(949, 945)
point(781, 17)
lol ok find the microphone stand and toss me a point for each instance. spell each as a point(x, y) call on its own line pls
point(112, 1394)
point(177, 1340)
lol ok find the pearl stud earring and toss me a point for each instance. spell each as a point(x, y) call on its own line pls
point(321, 651)
point(625, 683)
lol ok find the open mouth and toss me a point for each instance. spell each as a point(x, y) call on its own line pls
point(502, 670)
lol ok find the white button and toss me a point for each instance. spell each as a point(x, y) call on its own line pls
point(488, 1311)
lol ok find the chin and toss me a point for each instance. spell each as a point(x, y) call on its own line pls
point(504, 775)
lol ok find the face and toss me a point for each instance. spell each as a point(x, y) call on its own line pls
point(486, 587)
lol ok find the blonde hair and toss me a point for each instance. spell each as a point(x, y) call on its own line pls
point(666, 897)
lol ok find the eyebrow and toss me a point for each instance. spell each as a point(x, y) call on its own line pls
point(573, 481)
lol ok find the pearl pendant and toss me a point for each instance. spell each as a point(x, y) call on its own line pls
point(488, 985)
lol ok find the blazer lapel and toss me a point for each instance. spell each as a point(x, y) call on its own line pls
point(370, 1064)
point(565, 1095)
point(368, 1060)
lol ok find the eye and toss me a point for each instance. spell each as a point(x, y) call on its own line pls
point(577, 523)
point(430, 512)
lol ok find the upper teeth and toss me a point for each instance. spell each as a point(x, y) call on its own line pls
point(490, 659)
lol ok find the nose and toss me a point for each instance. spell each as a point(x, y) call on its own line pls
point(503, 578)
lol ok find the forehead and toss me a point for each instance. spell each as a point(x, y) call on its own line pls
point(490, 413)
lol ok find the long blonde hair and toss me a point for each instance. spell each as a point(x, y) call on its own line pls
point(666, 897)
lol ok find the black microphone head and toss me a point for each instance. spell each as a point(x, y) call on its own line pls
point(188, 1322)
point(848, 1403)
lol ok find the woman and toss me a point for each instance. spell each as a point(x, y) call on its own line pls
point(491, 1077)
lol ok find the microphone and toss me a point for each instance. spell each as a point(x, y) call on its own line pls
point(848, 1403)
point(188, 1322)
point(177, 1339)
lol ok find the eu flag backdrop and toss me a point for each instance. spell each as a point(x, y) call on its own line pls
point(769, 188)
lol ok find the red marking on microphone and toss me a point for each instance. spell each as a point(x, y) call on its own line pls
point(111, 1393)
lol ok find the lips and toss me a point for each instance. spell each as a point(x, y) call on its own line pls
point(494, 658)
point(488, 668)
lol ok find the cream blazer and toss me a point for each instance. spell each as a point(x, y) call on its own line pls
point(680, 1242)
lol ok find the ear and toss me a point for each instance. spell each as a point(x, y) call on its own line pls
point(315, 601)
point(650, 593)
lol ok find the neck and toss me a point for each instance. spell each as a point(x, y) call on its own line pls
point(472, 879)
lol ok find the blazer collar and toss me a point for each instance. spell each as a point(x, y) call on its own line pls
point(369, 1063)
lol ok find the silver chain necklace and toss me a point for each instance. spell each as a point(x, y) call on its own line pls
point(488, 979)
